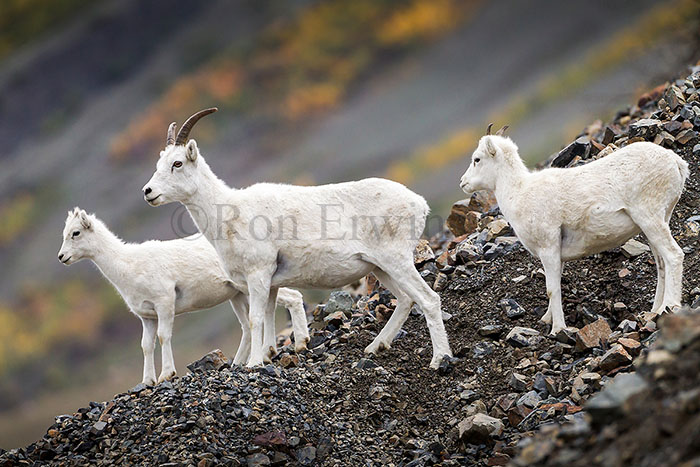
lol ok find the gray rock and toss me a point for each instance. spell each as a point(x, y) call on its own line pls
point(479, 428)
point(530, 399)
point(611, 401)
point(512, 308)
point(306, 455)
point(491, 330)
point(339, 301)
point(518, 382)
point(214, 360)
point(257, 459)
point(523, 337)
point(634, 248)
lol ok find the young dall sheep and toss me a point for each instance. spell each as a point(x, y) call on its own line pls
point(564, 214)
point(161, 279)
point(274, 235)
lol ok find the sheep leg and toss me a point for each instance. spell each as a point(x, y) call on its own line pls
point(166, 318)
point(259, 296)
point(404, 272)
point(148, 345)
point(551, 260)
point(398, 317)
point(660, 281)
point(547, 317)
point(269, 339)
point(293, 301)
point(659, 235)
point(239, 303)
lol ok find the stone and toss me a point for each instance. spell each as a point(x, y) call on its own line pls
point(512, 308)
point(523, 337)
point(612, 401)
point(214, 360)
point(634, 248)
point(687, 135)
point(339, 301)
point(518, 382)
point(98, 428)
point(517, 414)
point(530, 399)
point(423, 253)
point(498, 227)
point(644, 128)
point(257, 459)
point(674, 97)
point(579, 148)
point(365, 364)
point(306, 455)
point(632, 346)
point(614, 358)
point(491, 330)
point(289, 361)
point(592, 335)
point(462, 220)
point(627, 326)
point(482, 201)
point(482, 349)
point(567, 335)
point(479, 428)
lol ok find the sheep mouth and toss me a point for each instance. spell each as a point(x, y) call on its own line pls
point(151, 200)
point(65, 261)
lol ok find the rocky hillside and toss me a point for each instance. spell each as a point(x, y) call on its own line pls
point(510, 395)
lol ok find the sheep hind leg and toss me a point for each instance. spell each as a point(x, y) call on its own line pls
point(397, 319)
point(659, 235)
point(404, 272)
point(660, 281)
point(239, 303)
point(293, 301)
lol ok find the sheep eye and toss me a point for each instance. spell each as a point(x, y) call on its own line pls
point(476, 161)
point(76, 233)
point(177, 164)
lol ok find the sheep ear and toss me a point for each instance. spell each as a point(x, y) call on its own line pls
point(192, 151)
point(85, 220)
point(490, 147)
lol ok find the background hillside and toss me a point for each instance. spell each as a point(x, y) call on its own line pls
point(309, 92)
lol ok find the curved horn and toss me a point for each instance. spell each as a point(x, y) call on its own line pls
point(502, 131)
point(171, 134)
point(488, 129)
point(187, 126)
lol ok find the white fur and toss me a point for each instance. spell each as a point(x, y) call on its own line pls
point(271, 235)
point(564, 214)
point(161, 279)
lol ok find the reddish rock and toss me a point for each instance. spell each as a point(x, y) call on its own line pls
point(616, 357)
point(592, 335)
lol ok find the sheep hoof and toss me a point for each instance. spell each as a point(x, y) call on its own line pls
point(149, 381)
point(546, 318)
point(252, 363)
point(167, 376)
point(300, 347)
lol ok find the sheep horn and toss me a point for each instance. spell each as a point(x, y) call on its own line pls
point(187, 126)
point(502, 131)
point(171, 134)
point(488, 129)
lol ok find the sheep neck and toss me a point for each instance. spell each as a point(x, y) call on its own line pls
point(209, 203)
point(110, 257)
point(509, 182)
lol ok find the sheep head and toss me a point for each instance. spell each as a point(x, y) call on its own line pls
point(78, 238)
point(487, 160)
point(175, 175)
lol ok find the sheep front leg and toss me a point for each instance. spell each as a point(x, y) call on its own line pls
point(166, 318)
point(259, 296)
point(148, 345)
point(551, 260)
point(239, 303)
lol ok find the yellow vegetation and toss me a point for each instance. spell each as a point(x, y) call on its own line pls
point(16, 214)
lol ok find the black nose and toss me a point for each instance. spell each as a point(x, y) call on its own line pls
point(60, 257)
point(147, 191)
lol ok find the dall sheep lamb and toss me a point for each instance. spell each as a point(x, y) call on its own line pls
point(273, 235)
point(161, 279)
point(564, 214)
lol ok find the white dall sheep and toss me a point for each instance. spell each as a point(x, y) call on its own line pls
point(274, 235)
point(161, 279)
point(564, 214)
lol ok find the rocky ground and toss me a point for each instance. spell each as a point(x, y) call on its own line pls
point(606, 391)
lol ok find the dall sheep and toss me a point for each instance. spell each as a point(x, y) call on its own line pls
point(564, 214)
point(273, 235)
point(161, 279)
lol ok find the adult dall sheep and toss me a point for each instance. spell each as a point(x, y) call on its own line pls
point(274, 235)
point(161, 279)
point(564, 214)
